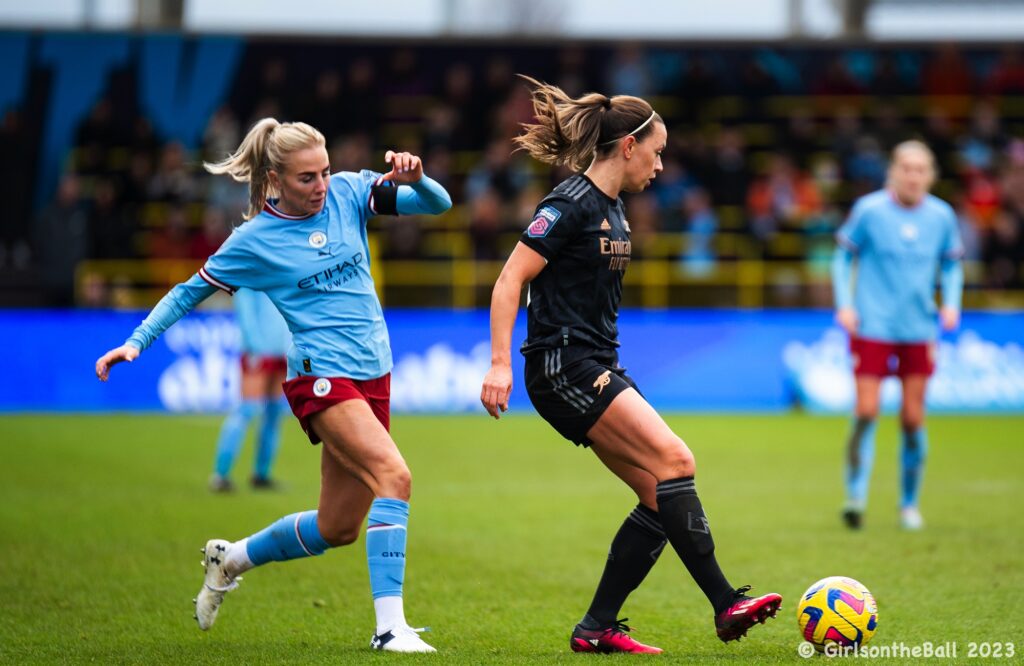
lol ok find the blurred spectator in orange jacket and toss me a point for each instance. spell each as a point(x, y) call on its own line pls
point(783, 197)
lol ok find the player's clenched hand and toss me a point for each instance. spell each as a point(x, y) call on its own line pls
point(406, 168)
point(950, 318)
point(847, 318)
point(496, 390)
point(113, 357)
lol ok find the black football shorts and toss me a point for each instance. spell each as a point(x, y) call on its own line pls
point(571, 387)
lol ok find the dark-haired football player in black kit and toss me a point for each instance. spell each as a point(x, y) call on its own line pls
point(573, 256)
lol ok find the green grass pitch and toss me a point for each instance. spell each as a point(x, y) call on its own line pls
point(102, 518)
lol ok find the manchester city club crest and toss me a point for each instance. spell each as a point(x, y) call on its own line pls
point(321, 387)
point(317, 239)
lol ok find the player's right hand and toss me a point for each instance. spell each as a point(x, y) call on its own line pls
point(496, 390)
point(113, 357)
point(847, 318)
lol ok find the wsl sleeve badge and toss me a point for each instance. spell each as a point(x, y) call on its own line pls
point(543, 221)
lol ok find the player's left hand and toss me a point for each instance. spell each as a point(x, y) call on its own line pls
point(406, 168)
point(496, 389)
point(950, 318)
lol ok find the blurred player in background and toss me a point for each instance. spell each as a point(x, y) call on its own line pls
point(900, 237)
point(305, 246)
point(264, 344)
point(573, 256)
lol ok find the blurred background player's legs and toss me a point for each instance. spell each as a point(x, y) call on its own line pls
point(860, 457)
point(268, 438)
point(913, 450)
point(860, 449)
point(261, 398)
point(232, 432)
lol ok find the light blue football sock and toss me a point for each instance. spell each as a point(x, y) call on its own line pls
point(385, 546)
point(291, 537)
point(232, 433)
point(269, 437)
point(912, 456)
point(860, 457)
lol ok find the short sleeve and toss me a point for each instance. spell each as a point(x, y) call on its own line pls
point(554, 223)
point(234, 265)
point(853, 234)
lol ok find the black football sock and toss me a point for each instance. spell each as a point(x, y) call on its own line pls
point(634, 551)
point(687, 529)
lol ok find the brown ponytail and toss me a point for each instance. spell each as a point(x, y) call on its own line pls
point(576, 131)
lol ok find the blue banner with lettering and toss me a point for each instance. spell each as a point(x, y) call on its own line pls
point(707, 360)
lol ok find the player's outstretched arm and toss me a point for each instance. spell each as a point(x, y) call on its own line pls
point(177, 303)
point(951, 280)
point(842, 278)
point(522, 266)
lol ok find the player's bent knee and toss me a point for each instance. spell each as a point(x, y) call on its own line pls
point(867, 407)
point(342, 537)
point(912, 416)
point(867, 410)
point(339, 533)
point(679, 461)
point(396, 482)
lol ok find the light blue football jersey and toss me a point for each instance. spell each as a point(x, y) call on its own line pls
point(899, 251)
point(316, 271)
point(263, 330)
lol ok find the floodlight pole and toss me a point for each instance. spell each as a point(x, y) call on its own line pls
point(89, 13)
point(166, 14)
point(796, 18)
point(855, 14)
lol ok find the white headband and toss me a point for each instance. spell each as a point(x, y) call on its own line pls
point(642, 125)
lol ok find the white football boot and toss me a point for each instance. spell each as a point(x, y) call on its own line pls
point(400, 639)
point(910, 518)
point(216, 583)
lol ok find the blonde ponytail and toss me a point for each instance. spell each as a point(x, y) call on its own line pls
point(265, 147)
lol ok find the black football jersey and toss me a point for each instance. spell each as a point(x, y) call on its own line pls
point(584, 236)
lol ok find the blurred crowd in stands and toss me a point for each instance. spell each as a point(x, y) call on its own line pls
point(767, 147)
